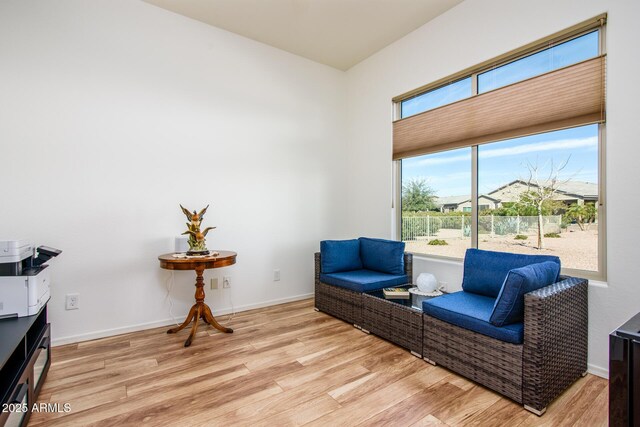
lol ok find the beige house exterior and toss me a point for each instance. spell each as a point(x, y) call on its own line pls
point(484, 202)
point(578, 192)
point(569, 193)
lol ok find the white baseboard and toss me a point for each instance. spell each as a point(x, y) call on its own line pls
point(599, 371)
point(71, 339)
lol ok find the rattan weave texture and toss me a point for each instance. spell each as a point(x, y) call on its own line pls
point(344, 303)
point(552, 357)
point(394, 322)
point(555, 340)
point(493, 363)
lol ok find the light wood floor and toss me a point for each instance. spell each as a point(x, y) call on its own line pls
point(283, 365)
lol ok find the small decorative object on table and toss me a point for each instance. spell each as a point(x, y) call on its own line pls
point(184, 255)
point(427, 284)
point(396, 293)
point(197, 242)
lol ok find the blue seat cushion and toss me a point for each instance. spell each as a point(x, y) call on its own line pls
point(472, 311)
point(340, 255)
point(385, 256)
point(364, 280)
point(509, 306)
point(485, 271)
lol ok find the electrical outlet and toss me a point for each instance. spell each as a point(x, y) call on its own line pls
point(226, 282)
point(214, 283)
point(276, 275)
point(72, 302)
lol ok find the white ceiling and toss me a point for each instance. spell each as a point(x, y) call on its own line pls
point(338, 33)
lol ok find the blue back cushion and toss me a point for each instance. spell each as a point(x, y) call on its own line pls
point(385, 256)
point(509, 306)
point(340, 255)
point(485, 271)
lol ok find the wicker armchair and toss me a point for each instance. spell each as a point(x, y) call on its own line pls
point(552, 356)
point(344, 303)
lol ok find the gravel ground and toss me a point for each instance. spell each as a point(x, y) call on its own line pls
point(576, 248)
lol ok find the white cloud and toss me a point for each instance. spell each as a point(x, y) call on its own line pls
point(561, 144)
point(443, 160)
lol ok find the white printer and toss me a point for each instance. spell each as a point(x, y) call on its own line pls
point(24, 277)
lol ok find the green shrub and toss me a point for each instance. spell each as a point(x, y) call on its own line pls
point(552, 235)
point(583, 215)
point(521, 237)
point(437, 242)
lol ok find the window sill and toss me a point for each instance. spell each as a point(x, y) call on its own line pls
point(459, 262)
point(442, 259)
point(598, 284)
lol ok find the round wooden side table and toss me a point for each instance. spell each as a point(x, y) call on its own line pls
point(199, 310)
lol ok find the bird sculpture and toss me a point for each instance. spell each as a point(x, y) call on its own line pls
point(197, 241)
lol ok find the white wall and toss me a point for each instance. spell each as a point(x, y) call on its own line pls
point(114, 112)
point(466, 35)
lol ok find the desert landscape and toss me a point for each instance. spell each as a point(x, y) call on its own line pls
point(576, 248)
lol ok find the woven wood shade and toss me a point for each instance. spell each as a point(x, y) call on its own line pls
point(570, 96)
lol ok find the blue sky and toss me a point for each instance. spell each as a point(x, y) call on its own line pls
point(567, 53)
point(558, 56)
point(449, 173)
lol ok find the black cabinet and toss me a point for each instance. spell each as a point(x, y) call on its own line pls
point(25, 357)
point(624, 374)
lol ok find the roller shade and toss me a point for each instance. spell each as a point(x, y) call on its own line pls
point(567, 97)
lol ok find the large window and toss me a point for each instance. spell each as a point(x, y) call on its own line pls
point(543, 195)
point(533, 194)
point(537, 195)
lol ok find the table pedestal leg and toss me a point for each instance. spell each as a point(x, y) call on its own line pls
point(188, 320)
point(199, 310)
point(207, 316)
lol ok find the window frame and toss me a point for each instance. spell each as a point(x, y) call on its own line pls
point(597, 23)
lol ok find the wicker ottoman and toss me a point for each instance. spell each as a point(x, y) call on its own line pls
point(395, 320)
